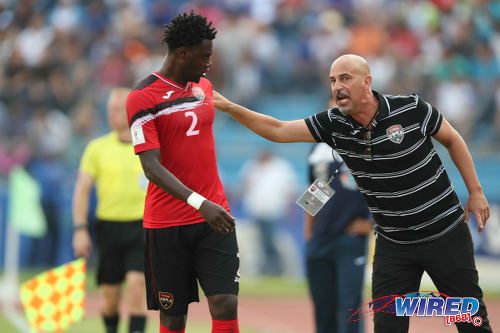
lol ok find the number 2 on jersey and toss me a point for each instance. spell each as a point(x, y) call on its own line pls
point(191, 131)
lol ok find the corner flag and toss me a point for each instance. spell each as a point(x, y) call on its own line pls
point(54, 299)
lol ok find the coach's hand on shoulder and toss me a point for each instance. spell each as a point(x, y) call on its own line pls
point(221, 102)
point(477, 205)
point(217, 217)
point(82, 245)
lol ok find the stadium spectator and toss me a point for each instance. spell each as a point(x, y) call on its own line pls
point(336, 246)
point(189, 231)
point(270, 184)
point(109, 164)
point(385, 141)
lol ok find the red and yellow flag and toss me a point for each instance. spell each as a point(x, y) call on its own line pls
point(55, 299)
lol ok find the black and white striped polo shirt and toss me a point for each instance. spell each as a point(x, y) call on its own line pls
point(396, 167)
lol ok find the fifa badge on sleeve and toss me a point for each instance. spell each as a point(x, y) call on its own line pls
point(315, 197)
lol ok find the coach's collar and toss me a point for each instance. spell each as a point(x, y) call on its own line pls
point(383, 106)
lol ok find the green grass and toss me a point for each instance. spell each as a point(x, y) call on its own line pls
point(94, 325)
point(269, 287)
point(263, 286)
point(276, 286)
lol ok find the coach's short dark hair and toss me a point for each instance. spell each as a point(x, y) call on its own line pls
point(188, 30)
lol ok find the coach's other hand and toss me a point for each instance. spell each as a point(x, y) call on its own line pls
point(477, 205)
point(217, 217)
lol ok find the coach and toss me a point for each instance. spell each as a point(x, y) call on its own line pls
point(386, 142)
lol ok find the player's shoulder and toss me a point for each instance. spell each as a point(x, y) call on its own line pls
point(135, 98)
point(146, 83)
point(144, 87)
point(205, 83)
point(142, 95)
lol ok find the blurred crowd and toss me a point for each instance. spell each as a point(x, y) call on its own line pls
point(58, 59)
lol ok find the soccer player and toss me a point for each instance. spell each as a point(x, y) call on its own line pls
point(108, 163)
point(386, 142)
point(189, 231)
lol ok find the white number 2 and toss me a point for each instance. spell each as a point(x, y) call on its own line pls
point(191, 131)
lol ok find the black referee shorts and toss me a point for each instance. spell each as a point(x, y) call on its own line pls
point(178, 257)
point(121, 249)
point(449, 261)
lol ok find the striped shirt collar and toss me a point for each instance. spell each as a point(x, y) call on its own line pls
point(382, 112)
point(383, 106)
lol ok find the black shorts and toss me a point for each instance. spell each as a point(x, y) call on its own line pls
point(121, 249)
point(178, 257)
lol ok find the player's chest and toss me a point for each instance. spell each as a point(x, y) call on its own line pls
point(188, 120)
point(188, 113)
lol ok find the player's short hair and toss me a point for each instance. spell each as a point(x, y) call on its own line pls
point(188, 30)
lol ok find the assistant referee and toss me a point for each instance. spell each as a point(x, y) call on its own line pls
point(108, 163)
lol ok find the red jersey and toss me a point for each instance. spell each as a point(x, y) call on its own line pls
point(177, 120)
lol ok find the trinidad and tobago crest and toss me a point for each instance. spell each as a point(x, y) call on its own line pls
point(198, 93)
point(395, 133)
point(166, 299)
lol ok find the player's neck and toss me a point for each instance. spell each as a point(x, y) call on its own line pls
point(170, 71)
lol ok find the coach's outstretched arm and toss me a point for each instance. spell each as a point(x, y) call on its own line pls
point(265, 126)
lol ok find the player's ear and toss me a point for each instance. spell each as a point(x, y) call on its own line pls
point(181, 52)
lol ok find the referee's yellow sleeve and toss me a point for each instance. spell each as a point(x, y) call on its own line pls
point(88, 163)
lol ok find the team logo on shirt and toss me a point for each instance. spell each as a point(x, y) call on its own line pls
point(168, 94)
point(395, 133)
point(198, 93)
point(166, 300)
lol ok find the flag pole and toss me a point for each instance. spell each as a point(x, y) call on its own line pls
point(9, 286)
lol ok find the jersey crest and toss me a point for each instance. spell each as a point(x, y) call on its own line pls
point(395, 133)
point(198, 93)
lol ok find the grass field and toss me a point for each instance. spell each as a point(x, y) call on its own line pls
point(277, 287)
point(266, 305)
point(94, 325)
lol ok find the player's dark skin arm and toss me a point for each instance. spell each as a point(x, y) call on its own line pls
point(215, 215)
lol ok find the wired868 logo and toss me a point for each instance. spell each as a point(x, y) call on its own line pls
point(453, 309)
point(424, 304)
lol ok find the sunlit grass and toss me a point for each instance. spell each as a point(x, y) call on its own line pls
point(256, 287)
point(94, 325)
